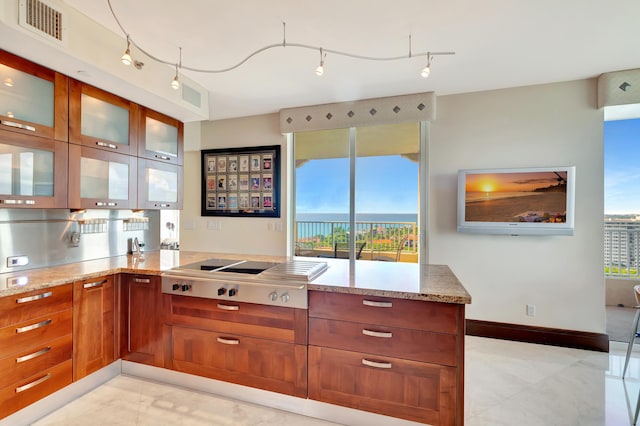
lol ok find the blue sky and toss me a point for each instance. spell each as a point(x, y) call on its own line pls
point(386, 184)
point(622, 166)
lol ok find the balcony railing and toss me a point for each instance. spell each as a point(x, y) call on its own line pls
point(374, 240)
point(622, 250)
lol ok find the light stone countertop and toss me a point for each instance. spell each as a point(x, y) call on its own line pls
point(399, 280)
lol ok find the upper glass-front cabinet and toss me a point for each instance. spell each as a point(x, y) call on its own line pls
point(161, 137)
point(159, 185)
point(33, 172)
point(33, 99)
point(100, 179)
point(102, 120)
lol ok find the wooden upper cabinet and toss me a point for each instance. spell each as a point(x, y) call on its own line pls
point(33, 99)
point(161, 138)
point(101, 180)
point(102, 120)
point(159, 185)
point(33, 172)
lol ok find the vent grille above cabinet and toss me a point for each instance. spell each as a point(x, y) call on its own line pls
point(42, 19)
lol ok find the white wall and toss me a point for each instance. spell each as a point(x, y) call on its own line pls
point(548, 125)
point(232, 235)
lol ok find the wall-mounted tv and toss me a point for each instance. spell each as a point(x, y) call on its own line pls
point(523, 201)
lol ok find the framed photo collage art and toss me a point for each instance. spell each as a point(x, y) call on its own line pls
point(241, 182)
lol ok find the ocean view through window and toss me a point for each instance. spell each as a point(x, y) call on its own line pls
point(360, 184)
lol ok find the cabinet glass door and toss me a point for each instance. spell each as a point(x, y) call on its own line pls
point(161, 137)
point(163, 185)
point(104, 120)
point(25, 97)
point(159, 185)
point(103, 179)
point(26, 171)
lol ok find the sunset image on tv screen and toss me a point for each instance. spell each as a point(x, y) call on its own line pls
point(516, 197)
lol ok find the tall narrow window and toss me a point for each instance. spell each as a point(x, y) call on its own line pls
point(374, 168)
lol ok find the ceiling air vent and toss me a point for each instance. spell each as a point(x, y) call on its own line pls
point(42, 19)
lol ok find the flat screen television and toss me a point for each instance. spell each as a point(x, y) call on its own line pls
point(523, 201)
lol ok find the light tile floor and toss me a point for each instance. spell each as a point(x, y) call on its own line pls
point(506, 383)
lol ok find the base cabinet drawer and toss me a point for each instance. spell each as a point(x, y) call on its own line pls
point(34, 388)
point(414, 314)
point(25, 364)
point(409, 390)
point(30, 334)
point(33, 304)
point(265, 364)
point(417, 345)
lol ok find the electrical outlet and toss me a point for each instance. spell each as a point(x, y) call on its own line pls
point(531, 310)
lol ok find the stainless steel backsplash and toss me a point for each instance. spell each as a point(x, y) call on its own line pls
point(56, 236)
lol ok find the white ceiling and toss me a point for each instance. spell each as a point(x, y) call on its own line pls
point(498, 44)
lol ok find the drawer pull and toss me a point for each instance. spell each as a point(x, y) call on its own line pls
point(228, 307)
point(105, 204)
point(142, 280)
point(163, 157)
point(17, 125)
point(377, 304)
point(95, 284)
point(106, 145)
point(385, 334)
point(32, 326)
point(228, 341)
point(36, 297)
point(24, 358)
point(34, 383)
point(376, 364)
point(29, 202)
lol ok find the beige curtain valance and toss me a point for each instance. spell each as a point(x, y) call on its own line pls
point(366, 112)
point(619, 88)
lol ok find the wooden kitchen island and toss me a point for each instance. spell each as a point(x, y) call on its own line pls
point(386, 338)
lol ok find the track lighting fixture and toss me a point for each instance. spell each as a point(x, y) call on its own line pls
point(126, 58)
point(320, 69)
point(427, 68)
point(175, 84)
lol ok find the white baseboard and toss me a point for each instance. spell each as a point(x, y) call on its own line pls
point(41, 408)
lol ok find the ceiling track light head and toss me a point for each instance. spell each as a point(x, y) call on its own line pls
point(320, 69)
point(175, 84)
point(427, 68)
point(126, 58)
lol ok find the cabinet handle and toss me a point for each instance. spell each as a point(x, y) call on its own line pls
point(36, 297)
point(106, 145)
point(384, 334)
point(17, 125)
point(228, 341)
point(32, 326)
point(163, 157)
point(376, 364)
point(24, 358)
point(95, 284)
point(142, 280)
point(105, 204)
point(34, 383)
point(377, 304)
point(29, 202)
point(162, 205)
point(228, 307)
